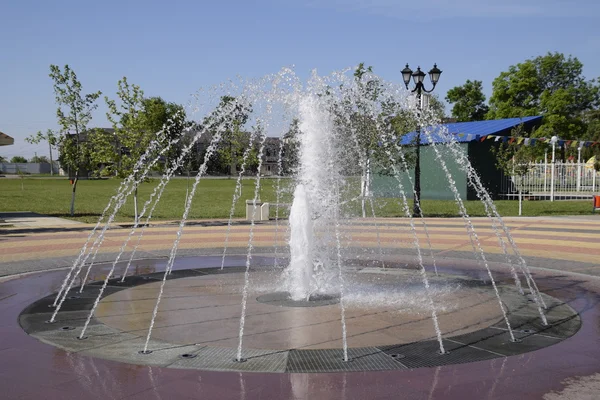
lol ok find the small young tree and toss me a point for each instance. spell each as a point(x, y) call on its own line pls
point(18, 160)
point(515, 160)
point(135, 121)
point(51, 137)
point(364, 118)
point(125, 146)
point(74, 112)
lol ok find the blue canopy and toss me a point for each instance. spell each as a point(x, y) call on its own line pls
point(467, 131)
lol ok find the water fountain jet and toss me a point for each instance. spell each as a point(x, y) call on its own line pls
point(327, 268)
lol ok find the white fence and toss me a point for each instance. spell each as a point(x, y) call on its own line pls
point(28, 168)
point(552, 181)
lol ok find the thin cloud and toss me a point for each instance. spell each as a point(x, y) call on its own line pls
point(442, 9)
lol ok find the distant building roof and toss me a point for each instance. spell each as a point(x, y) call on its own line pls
point(6, 140)
point(468, 131)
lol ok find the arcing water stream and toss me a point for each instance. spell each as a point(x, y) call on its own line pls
point(344, 130)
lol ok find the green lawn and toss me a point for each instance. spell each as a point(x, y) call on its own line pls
point(213, 200)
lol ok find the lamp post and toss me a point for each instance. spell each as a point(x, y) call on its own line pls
point(418, 77)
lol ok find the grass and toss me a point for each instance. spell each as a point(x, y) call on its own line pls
point(213, 200)
point(53, 197)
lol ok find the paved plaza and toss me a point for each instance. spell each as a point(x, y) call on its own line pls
point(564, 254)
point(566, 243)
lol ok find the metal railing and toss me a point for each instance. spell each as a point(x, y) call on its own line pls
point(552, 181)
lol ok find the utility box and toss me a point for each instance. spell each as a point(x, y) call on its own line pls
point(257, 211)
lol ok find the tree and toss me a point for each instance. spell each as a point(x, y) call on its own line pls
point(18, 160)
point(592, 121)
point(39, 159)
point(550, 85)
point(51, 137)
point(135, 121)
point(234, 140)
point(291, 148)
point(437, 107)
point(158, 114)
point(514, 159)
point(120, 151)
point(362, 120)
point(469, 102)
point(364, 116)
point(74, 112)
point(2, 159)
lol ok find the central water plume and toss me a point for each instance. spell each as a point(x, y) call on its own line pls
point(301, 266)
point(315, 202)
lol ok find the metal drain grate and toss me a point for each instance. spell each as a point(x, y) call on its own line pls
point(223, 359)
point(332, 360)
point(427, 354)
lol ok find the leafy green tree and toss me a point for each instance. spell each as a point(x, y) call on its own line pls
point(135, 121)
point(437, 107)
point(513, 158)
point(592, 121)
point(18, 159)
point(291, 148)
point(74, 112)
point(364, 116)
point(39, 159)
point(551, 85)
point(2, 159)
point(234, 139)
point(158, 114)
point(360, 119)
point(120, 149)
point(468, 102)
point(51, 137)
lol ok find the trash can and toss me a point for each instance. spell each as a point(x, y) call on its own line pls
point(260, 212)
point(596, 203)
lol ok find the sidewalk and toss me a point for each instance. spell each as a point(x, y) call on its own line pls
point(28, 219)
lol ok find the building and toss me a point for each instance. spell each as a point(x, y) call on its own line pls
point(270, 157)
point(434, 183)
point(6, 140)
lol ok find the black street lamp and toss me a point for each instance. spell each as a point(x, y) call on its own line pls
point(418, 77)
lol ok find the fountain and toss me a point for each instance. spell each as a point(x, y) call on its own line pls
point(378, 300)
point(301, 266)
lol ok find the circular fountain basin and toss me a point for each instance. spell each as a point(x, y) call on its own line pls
point(388, 318)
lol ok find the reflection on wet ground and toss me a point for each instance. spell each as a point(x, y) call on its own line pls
point(30, 369)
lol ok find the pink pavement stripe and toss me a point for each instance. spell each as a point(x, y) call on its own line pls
point(268, 229)
point(364, 240)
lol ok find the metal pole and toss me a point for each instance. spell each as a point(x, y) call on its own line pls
point(546, 171)
point(51, 163)
point(417, 194)
point(187, 189)
point(554, 138)
point(579, 167)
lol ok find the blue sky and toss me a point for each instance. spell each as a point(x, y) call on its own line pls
point(173, 48)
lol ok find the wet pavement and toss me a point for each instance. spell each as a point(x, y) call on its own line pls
point(33, 370)
point(30, 369)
